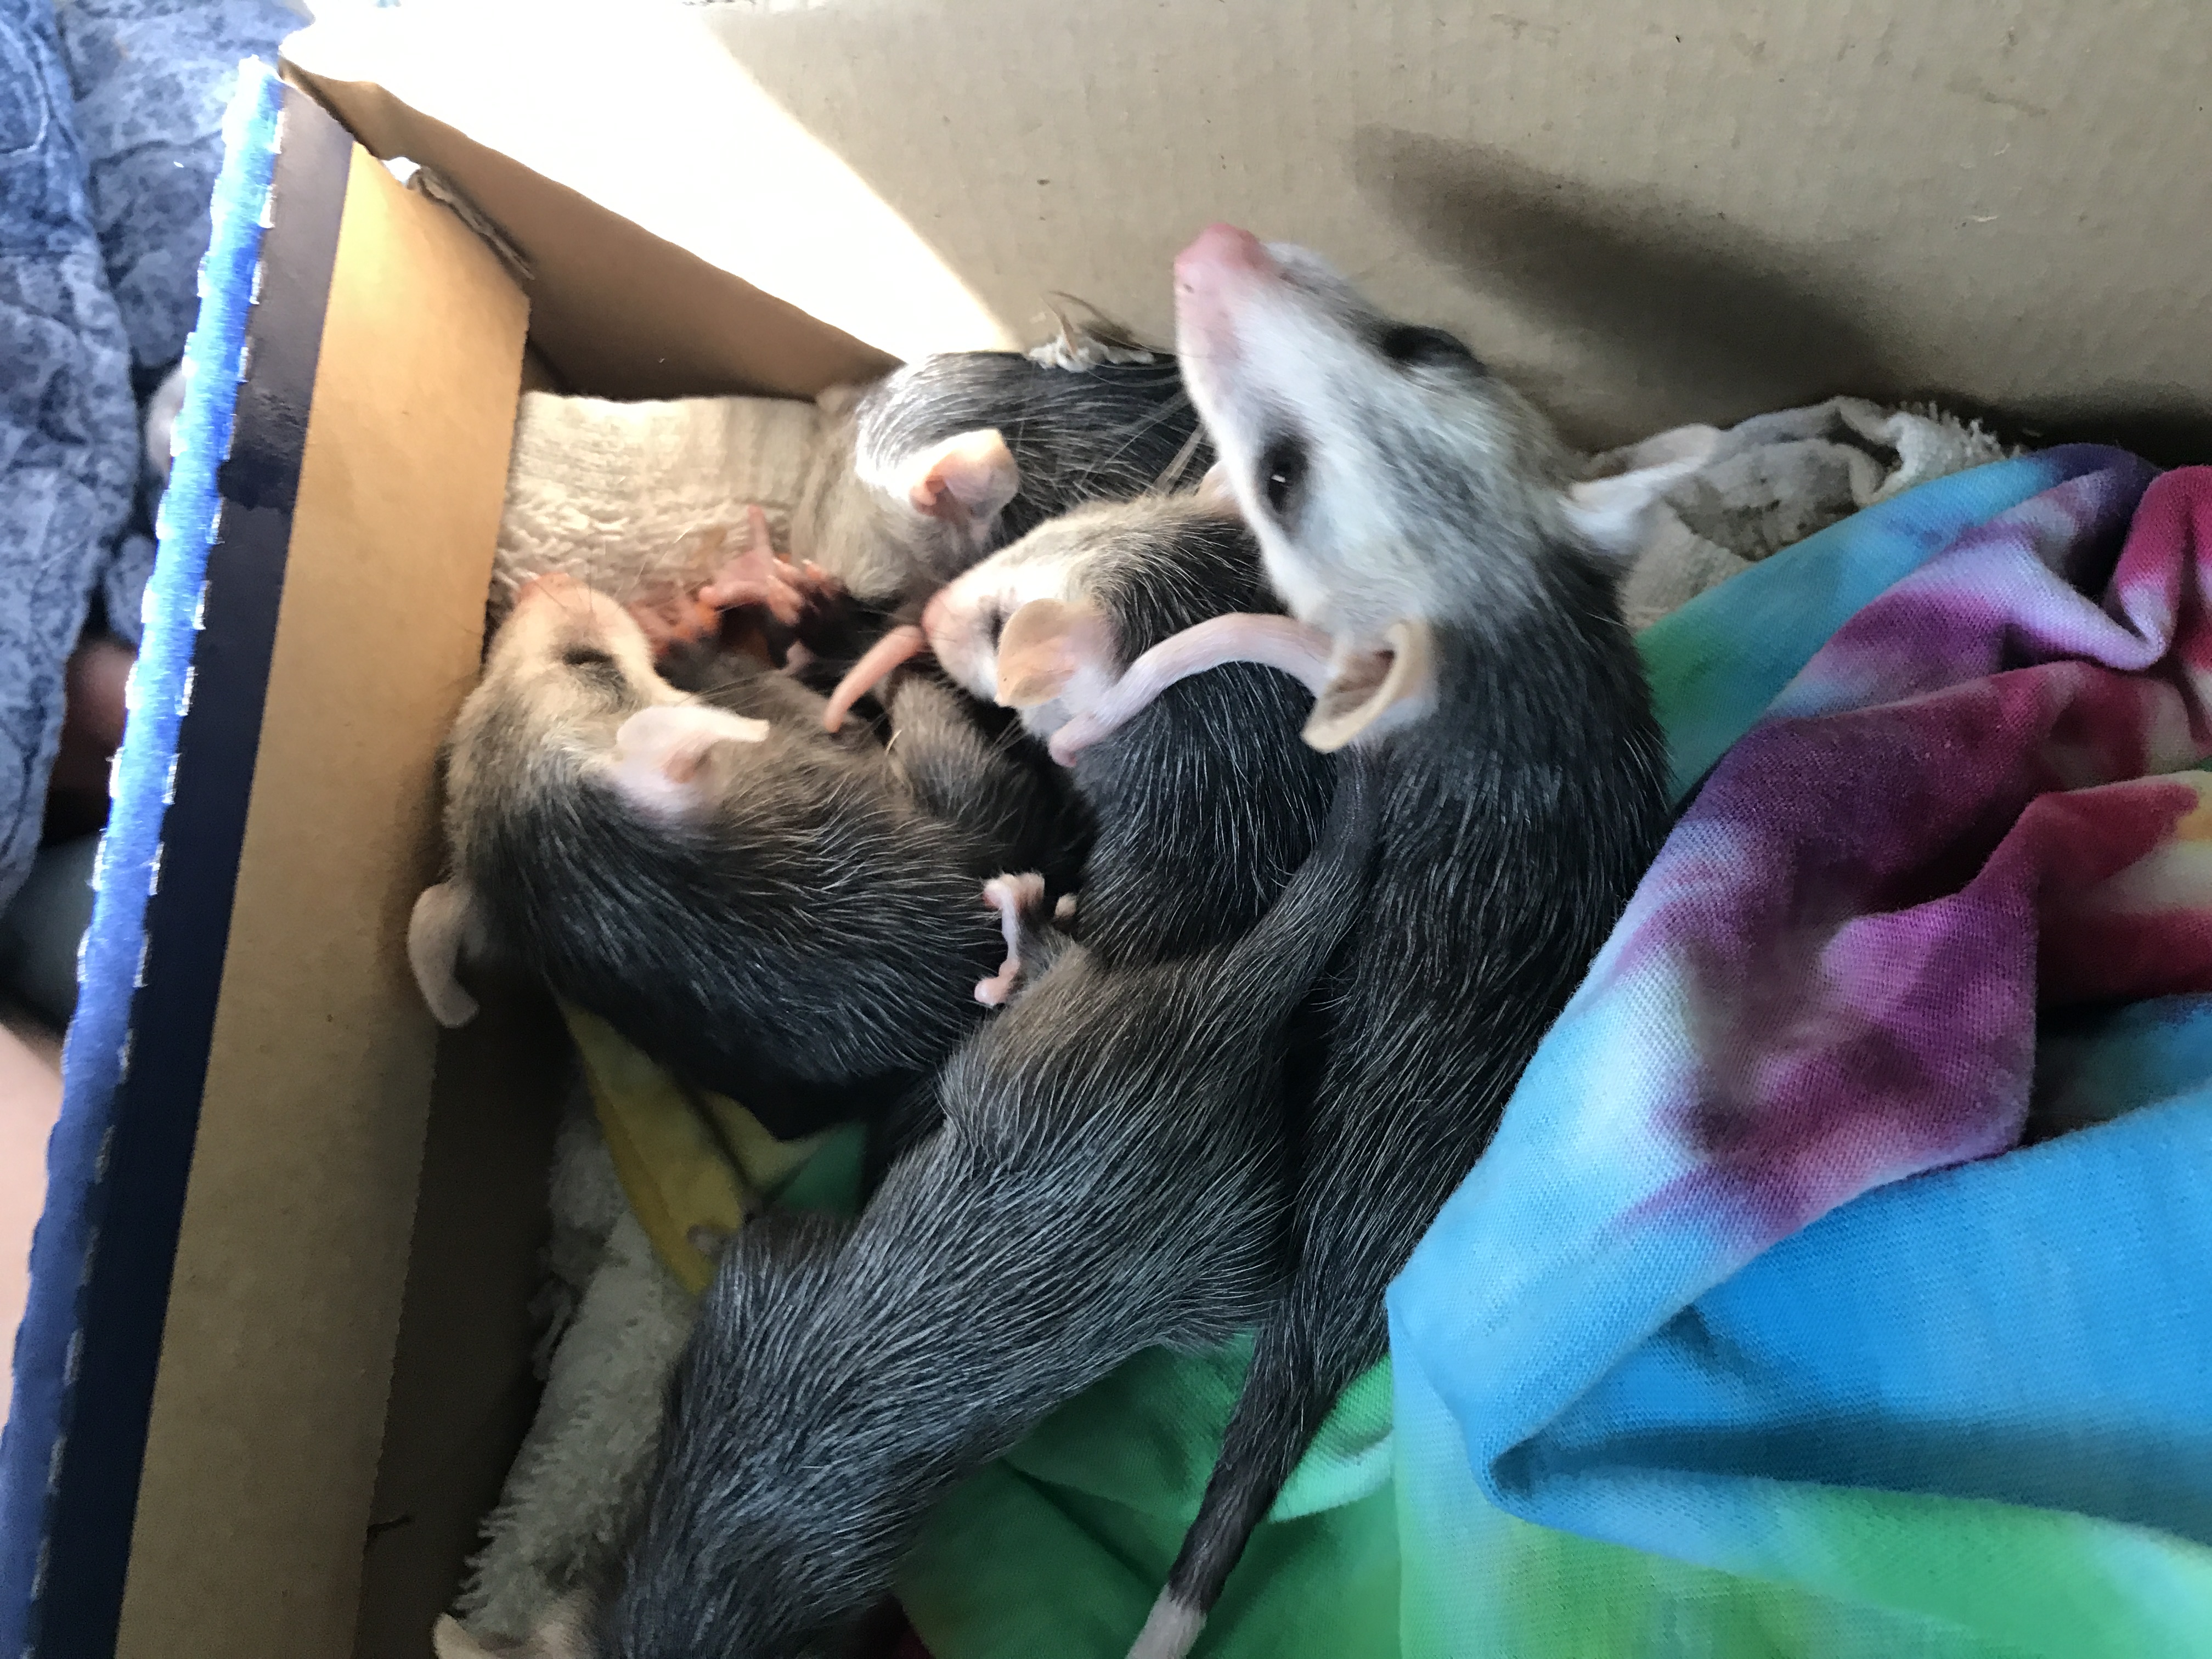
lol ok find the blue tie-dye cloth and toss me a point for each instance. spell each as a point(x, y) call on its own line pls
point(109, 142)
point(1742, 1310)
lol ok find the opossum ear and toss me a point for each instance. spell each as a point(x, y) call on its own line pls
point(1371, 692)
point(1612, 512)
point(443, 929)
point(668, 759)
point(836, 401)
point(449, 1640)
point(1044, 646)
point(964, 481)
point(1215, 493)
point(559, 1635)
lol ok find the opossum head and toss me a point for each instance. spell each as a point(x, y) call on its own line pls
point(569, 691)
point(898, 500)
point(1394, 484)
point(1047, 625)
point(569, 700)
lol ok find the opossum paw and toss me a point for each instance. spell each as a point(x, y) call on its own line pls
point(1063, 913)
point(1017, 899)
point(677, 619)
point(756, 575)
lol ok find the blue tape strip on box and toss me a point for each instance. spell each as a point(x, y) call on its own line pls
point(49, 1343)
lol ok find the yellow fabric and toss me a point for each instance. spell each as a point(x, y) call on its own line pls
point(686, 1158)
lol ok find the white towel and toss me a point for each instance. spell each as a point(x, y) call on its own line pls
point(644, 500)
point(616, 1323)
point(1775, 479)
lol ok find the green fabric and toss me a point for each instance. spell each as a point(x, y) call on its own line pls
point(1062, 1547)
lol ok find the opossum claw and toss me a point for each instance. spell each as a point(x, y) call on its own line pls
point(755, 576)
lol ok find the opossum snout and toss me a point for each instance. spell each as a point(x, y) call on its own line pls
point(559, 620)
point(962, 624)
point(1213, 276)
point(1221, 249)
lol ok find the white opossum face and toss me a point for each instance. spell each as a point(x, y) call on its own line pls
point(1393, 483)
point(891, 512)
point(567, 665)
point(966, 619)
point(1031, 628)
point(569, 685)
point(1349, 438)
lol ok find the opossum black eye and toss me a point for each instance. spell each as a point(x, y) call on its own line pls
point(1411, 346)
point(1282, 473)
point(587, 657)
point(995, 620)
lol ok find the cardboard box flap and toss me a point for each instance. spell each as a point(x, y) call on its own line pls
point(268, 1413)
point(1645, 213)
point(757, 262)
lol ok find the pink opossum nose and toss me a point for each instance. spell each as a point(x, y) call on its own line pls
point(1214, 277)
point(1220, 250)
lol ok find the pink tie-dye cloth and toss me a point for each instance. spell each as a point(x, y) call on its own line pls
point(1767, 1394)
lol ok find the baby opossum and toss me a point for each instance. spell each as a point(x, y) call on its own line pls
point(844, 1377)
point(1202, 809)
point(1107, 1179)
point(924, 472)
point(1418, 515)
point(791, 920)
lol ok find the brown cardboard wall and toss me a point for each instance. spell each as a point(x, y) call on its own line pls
point(269, 1410)
point(1652, 210)
point(462, 1388)
point(1647, 210)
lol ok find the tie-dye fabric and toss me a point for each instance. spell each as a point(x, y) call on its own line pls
point(1741, 1310)
point(1644, 1404)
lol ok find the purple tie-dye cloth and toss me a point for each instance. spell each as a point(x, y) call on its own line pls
point(1963, 1413)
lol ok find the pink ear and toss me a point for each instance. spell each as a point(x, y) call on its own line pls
point(1215, 493)
point(441, 932)
point(1372, 692)
point(1043, 647)
point(966, 481)
point(660, 755)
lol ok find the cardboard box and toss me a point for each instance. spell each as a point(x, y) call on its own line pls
point(1645, 213)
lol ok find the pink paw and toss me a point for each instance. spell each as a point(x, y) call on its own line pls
point(1012, 897)
point(756, 575)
